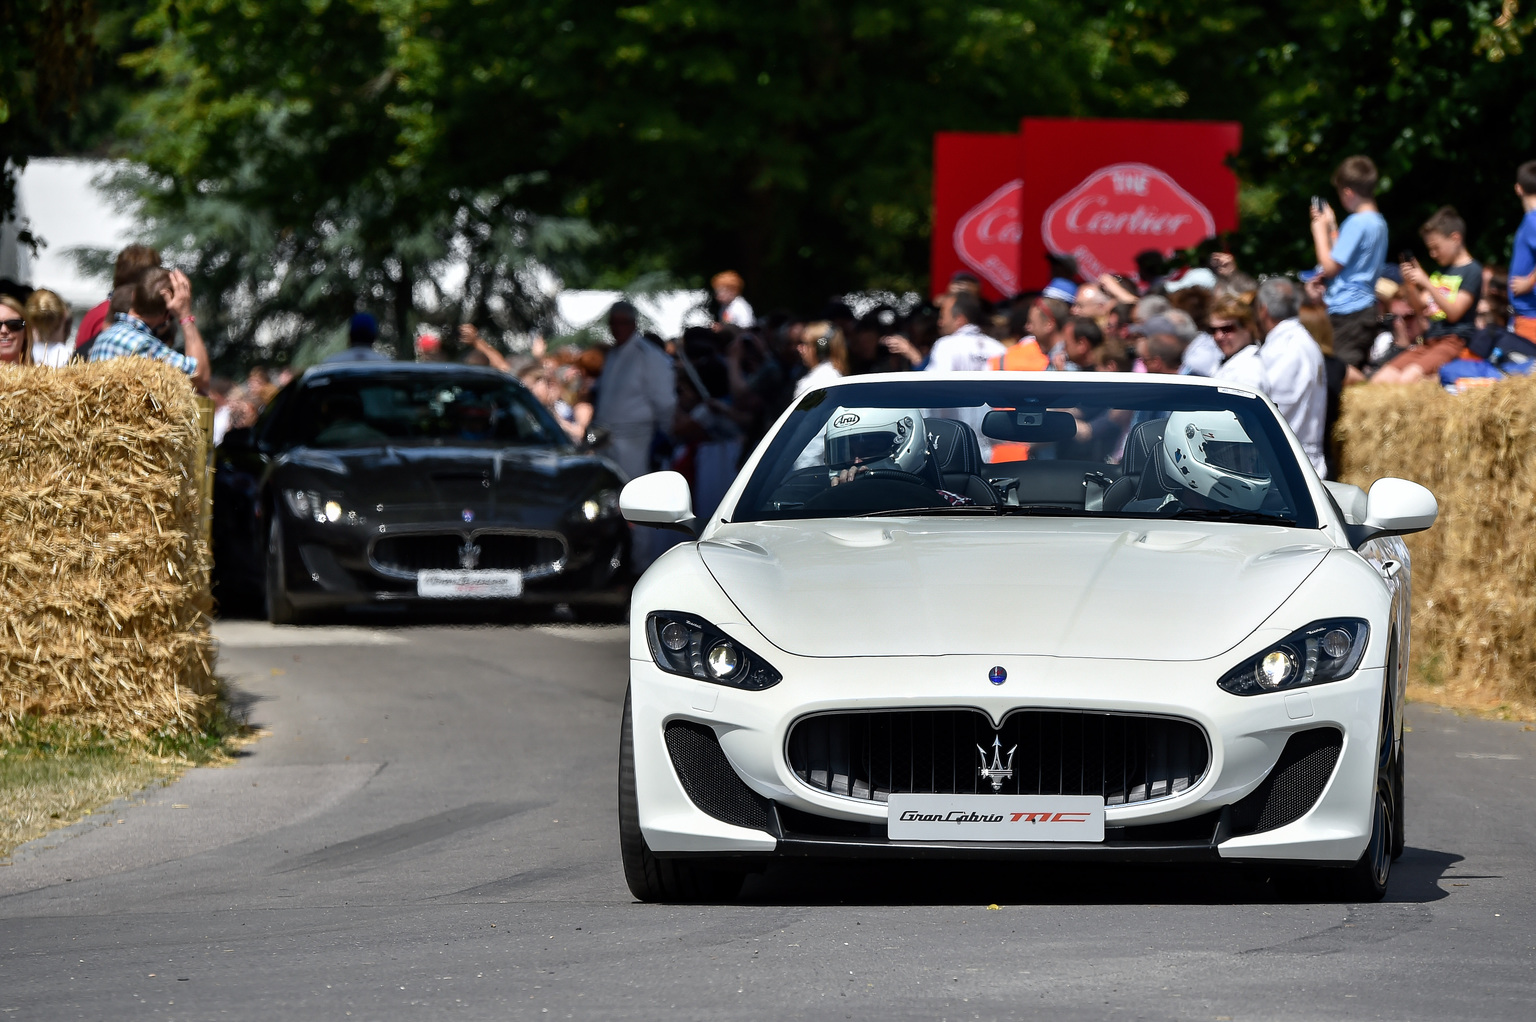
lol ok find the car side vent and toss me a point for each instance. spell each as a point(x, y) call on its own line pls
point(1294, 785)
point(710, 780)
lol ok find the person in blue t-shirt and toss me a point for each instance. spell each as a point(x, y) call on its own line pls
point(1350, 256)
point(1522, 262)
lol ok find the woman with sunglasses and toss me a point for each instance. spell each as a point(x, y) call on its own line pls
point(1233, 329)
point(13, 332)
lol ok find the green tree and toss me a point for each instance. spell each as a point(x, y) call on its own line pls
point(791, 142)
point(1432, 90)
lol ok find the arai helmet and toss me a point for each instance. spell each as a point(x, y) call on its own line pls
point(1211, 454)
point(876, 438)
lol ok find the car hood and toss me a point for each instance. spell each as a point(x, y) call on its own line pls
point(1120, 589)
point(402, 476)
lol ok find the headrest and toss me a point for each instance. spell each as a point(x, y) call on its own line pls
point(1142, 445)
point(955, 447)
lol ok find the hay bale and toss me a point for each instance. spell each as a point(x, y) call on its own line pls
point(1474, 573)
point(103, 565)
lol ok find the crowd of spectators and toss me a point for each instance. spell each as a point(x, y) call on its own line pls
point(699, 403)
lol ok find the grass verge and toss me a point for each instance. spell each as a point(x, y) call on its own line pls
point(53, 773)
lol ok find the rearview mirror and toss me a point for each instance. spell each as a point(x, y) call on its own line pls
point(1029, 426)
point(1395, 507)
point(661, 499)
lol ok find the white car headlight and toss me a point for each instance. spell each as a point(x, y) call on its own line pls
point(309, 504)
point(1323, 651)
point(603, 504)
point(690, 646)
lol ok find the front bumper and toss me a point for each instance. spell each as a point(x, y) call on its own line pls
point(336, 565)
point(1247, 737)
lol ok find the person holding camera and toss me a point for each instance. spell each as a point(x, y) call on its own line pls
point(1350, 256)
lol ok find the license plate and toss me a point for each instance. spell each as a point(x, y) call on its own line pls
point(994, 818)
point(469, 585)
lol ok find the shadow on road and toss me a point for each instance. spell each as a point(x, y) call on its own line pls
point(1415, 879)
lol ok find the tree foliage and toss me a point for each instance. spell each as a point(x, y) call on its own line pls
point(1432, 90)
point(308, 156)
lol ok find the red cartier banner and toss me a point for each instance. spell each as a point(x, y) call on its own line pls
point(1103, 190)
point(1098, 190)
point(976, 226)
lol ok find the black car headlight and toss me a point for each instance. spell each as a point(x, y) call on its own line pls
point(602, 504)
point(1321, 652)
point(692, 647)
point(310, 504)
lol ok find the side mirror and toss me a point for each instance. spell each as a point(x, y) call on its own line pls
point(661, 499)
point(1395, 507)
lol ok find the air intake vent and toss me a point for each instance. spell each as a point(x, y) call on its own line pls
point(710, 780)
point(1294, 785)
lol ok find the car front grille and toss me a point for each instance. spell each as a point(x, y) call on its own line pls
point(1125, 758)
point(529, 552)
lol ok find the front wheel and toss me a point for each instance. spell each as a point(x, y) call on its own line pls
point(280, 609)
point(651, 878)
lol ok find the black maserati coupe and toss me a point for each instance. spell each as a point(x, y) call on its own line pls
point(366, 482)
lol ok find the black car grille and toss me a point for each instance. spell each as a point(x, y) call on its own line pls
point(709, 779)
point(1294, 785)
point(1125, 758)
point(502, 551)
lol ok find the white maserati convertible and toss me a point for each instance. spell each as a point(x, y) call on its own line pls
point(1030, 616)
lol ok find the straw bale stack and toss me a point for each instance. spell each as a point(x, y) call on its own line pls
point(103, 568)
point(1474, 573)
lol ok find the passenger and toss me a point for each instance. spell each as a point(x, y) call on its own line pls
point(878, 443)
point(1209, 463)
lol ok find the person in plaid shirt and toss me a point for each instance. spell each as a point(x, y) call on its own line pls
point(159, 296)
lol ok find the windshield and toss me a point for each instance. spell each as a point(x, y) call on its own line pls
point(1078, 447)
point(436, 409)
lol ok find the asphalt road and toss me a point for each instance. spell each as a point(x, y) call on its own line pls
point(428, 831)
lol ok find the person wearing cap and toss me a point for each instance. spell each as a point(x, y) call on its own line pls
point(362, 331)
point(1178, 326)
point(636, 395)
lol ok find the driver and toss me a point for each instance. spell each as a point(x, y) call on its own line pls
point(1212, 463)
point(881, 441)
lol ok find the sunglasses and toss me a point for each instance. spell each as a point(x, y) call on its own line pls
point(15, 326)
point(1230, 328)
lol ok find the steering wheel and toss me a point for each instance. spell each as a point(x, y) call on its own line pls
point(894, 474)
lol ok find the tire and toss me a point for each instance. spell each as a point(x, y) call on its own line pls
point(280, 609)
point(1367, 879)
point(1400, 798)
point(651, 878)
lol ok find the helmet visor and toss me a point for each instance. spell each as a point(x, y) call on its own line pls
point(1238, 458)
point(862, 448)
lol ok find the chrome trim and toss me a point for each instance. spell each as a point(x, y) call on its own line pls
point(473, 536)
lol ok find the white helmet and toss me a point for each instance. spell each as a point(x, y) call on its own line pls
point(876, 438)
point(1211, 453)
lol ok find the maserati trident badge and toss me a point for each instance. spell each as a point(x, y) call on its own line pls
point(469, 556)
point(997, 773)
point(997, 675)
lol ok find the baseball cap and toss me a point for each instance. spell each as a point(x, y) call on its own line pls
point(1061, 289)
point(1155, 325)
point(1198, 277)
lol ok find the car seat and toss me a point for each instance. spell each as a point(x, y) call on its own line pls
point(1141, 447)
point(957, 453)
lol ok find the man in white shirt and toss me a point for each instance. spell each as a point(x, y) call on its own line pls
point(636, 394)
point(963, 346)
point(1293, 363)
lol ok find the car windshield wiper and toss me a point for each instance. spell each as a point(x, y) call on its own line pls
point(1224, 515)
point(943, 509)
